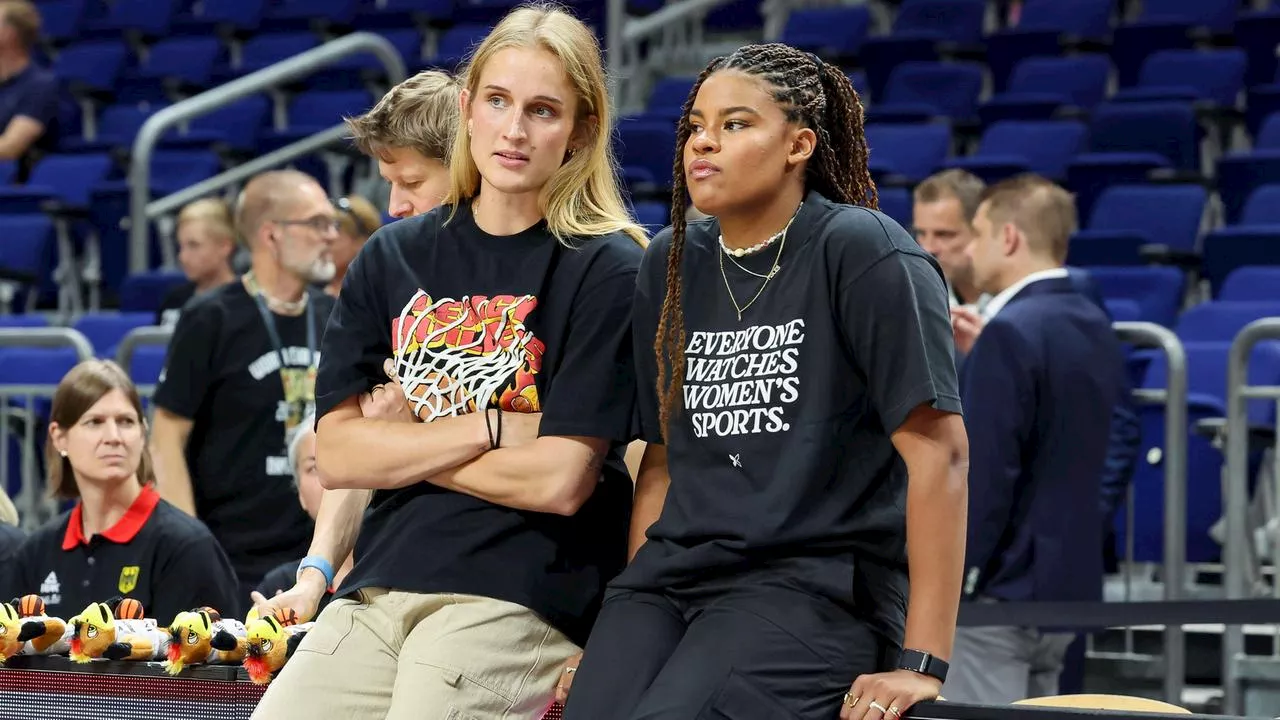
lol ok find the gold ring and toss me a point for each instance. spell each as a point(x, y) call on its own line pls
point(877, 706)
point(851, 701)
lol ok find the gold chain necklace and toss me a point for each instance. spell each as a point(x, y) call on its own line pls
point(767, 277)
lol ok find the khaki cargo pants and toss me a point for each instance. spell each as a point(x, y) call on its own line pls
point(401, 656)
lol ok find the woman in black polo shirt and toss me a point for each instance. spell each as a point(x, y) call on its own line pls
point(803, 419)
point(120, 538)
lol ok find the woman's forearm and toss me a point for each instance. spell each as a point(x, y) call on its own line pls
point(354, 452)
point(652, 481)
point(937, 501)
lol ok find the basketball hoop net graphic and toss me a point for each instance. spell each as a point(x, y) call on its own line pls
point(454, 357)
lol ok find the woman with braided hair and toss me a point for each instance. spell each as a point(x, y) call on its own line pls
point(798, 392)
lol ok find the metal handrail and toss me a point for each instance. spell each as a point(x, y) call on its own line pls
point(50, 337)
point(141, 211)
point(1236, 494)
point(151, 335)
point(1174, 399)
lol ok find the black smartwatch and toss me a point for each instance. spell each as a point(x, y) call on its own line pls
point(922, 662)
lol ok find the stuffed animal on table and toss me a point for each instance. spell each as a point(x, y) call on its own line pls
point(191, 640)
point(269, 645)
point(10, 627)
point(44, 634)
point(98, 634)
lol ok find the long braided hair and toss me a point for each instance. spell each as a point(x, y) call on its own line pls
point(812, 93)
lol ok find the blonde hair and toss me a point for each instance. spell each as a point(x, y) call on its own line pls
point(360, 218)
point(420, 113)
point(1043, 211)
point(582, 197)
point(8, 513)
point(24, 17)
point(214, 212)
point(79, 390)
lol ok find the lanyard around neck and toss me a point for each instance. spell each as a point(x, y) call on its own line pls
point(269, 319)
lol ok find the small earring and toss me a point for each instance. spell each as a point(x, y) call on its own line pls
point(63, 453)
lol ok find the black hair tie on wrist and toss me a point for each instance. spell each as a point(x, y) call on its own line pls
point(489, 429)
point(497, 443)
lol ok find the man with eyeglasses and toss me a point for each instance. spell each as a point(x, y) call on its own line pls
point(240, 376)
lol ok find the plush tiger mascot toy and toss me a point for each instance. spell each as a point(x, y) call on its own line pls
point(10, 627)
point(269, 645)
point(99, 634)
point(192, 640)
point(44, 634)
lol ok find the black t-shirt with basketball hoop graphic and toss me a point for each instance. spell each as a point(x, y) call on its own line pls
point(471, 319)
point(780, 456)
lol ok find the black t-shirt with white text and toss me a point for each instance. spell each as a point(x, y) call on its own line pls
point(780, 454)
point(223, 372)
point(471, 317)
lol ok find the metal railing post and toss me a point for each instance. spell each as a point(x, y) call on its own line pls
point(28, 500)
point(282, 72)
point(1174, 399)
point(1236, 494)
point(153, 335)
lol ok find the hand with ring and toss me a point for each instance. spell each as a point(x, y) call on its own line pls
point(887, 695)
point(566, 678)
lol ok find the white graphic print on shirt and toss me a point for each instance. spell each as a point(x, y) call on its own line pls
point(738, 382)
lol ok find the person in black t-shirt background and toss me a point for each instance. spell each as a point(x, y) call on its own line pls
point(501, 501)
point(11, 537)
point(805, 442)
point(206, 242)
point(240, 374)
point(120, 538)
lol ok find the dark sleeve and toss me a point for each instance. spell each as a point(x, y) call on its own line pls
point(40, 101)
point(10, 546)
point(647, 308)
point(357, 338)
point(898, 326)
point(1123, 448)
point(188, 366)
point(195, 574)
point(999, 401)
point(593, 392)
point(21, 576)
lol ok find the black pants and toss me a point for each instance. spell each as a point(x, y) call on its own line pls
point(755, 652)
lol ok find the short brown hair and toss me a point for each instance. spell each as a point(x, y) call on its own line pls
point(420, 113)
point(955, 183)
point(24, 18)
point(1043, 211)
point(79, 390)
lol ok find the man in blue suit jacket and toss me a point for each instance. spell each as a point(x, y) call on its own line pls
point(1039, 386)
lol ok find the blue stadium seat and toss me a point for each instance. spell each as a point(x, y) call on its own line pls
point(920, 91)
point(667, 99)
point(832, 32)
point(174, 170)
point(311, 112)
point(118, 125)
point(1239, 173)
point(1155, 291)
point(1250, 283)
point(35, 366)
point(1041, 86)
point(456, 43)
point(1222, 321)
point(1011, 147)
point(1229, 248)
point(912, 152)
point(1258, 34)
point(236, 126)
point(1163, 129)
point(1122, 310)
point(917, 29)
point(1127, 217)
point(105, 330)
point(61, 20)
point(361, 66)
point(147, 18)
point(652, 215)
point(896, 203)
point(69, 178)
point(182, 65)
point(91, 67)
point(1043, 29)
point(1167, 25)
point(647, 149)
point(28, 247)
point(146, 363)
point(23, 321)
point(266, 49)
point(1206, 76)
point(1206, 385)
point(301, 15)
point(143, 292)
point(235, 15)
point(401, 13)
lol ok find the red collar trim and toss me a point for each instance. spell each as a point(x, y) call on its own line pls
point(125, 529)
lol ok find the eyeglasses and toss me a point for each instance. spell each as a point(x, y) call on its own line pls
point(345, 206)
point(319, 223)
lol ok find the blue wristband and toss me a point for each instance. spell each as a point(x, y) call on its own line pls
point(319, 563)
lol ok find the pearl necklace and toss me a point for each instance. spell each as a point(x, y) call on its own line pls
point(752, 250)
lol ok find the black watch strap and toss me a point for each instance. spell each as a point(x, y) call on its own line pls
point(924, 663)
